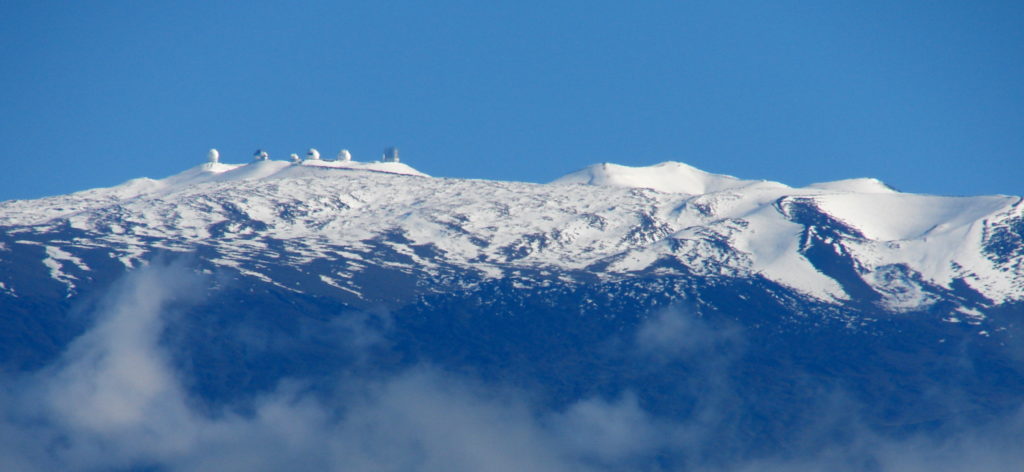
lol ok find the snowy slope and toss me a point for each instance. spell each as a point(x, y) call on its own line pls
point(865, 185)
point(669, 177)
point(839, 242)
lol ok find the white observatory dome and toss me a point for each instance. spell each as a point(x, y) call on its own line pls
point(344, 155)
point(313, 154)
point(213, 156)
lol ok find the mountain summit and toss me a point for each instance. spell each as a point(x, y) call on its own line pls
point(669, 177)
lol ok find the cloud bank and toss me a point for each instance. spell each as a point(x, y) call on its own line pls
point(114, 402)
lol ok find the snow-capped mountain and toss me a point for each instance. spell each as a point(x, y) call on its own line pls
point(717, 318)
point(335, 227)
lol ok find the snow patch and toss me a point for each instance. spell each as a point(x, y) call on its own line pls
point(62, 255)
point(334, 283)
point(8, 290)
point(975, 316)
point(52, 262)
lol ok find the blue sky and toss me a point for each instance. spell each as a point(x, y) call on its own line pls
point(924, 95)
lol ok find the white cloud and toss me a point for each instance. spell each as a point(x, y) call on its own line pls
point(675, 332)
point(114, 401)
point(610, 432)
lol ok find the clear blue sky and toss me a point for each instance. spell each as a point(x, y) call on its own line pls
point(928, 96)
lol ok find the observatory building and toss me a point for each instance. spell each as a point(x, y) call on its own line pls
point(344, 155)
point(313, 154)
point(390, 155)
point(213, 156)
point(260, 155)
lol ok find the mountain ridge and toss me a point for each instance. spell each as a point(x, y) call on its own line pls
point(835, 242)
